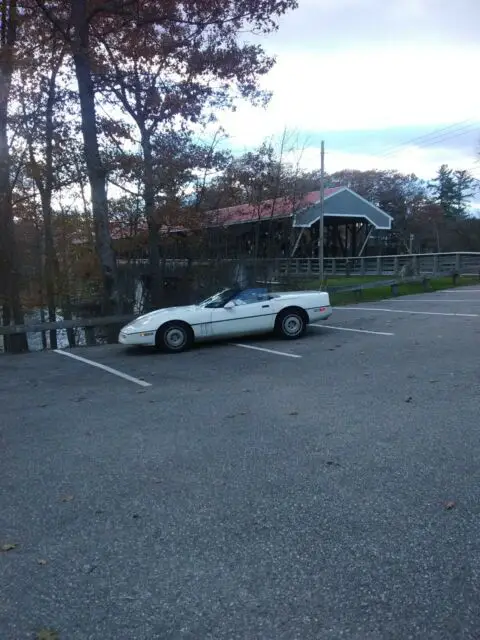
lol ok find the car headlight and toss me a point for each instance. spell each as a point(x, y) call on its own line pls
point(141, 323)
point(128, 329)
point(136, 325)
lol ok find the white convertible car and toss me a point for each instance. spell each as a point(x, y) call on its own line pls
point(229, 313)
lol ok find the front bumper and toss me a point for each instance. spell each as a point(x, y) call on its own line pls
point(146, 338)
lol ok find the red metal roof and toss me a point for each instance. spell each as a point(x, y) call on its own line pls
point(238, 214)
point(279, 208)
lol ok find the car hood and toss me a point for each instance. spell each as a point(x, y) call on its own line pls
point(174, 311)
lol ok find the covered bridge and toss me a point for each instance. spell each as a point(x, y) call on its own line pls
point(290, 226)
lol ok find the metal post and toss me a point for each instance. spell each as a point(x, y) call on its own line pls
point(321, 228)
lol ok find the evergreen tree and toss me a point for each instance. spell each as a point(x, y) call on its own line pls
point(452, 190)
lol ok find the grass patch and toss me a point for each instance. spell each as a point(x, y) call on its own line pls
point(380, 292)
point(301, 284)
point(345, 281)
point(383, 293)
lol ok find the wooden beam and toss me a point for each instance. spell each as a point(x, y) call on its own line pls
point(297, 242)
point(367, 238)
point(340, 241)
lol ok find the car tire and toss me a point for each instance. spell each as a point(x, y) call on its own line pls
point(291, 324)
point(174, 337)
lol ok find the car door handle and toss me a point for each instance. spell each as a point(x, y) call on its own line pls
point(265, 306)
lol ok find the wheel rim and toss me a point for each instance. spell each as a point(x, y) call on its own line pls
point(175, 337)
point(292, 325)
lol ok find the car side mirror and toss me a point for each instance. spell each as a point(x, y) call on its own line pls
point(229, 305)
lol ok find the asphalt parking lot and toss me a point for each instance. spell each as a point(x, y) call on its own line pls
point(318, 489)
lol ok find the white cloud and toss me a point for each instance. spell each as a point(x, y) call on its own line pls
point(336, 24)
point(362, 88)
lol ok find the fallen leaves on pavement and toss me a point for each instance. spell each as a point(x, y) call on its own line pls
point(47, 634)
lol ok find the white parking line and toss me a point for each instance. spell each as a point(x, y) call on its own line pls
point(477, 301)
point(374, 333)
point(115, 372)
point(277, 353)
point(423, 313)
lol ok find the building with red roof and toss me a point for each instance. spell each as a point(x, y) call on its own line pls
point(349, 221)
point(288, 226)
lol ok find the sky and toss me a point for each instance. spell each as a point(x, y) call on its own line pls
point(386, 83)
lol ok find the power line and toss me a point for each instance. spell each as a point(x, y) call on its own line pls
point(434, 132)
point(432, 139)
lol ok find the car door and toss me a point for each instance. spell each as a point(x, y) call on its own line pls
point(200, 319)
point(251, 313)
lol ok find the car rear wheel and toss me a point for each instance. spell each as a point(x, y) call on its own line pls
point(174, 337)
point(291, 324)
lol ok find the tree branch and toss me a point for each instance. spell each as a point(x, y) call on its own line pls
point(123, 188)
point(117, 7)
point(51, 17)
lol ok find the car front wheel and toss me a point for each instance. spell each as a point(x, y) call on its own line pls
point(174, 337)
point(291, 324)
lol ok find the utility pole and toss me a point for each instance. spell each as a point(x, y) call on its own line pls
point(321, 225)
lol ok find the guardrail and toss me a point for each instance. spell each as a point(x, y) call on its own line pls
point(87, 324)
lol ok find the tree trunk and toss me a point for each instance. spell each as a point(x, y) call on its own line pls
point(67, 315)
point(153, 238)
point(51, 263)
point(42, 320)
point(96, 172)
point(9, 259)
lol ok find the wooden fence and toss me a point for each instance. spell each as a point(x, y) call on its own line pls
point(431, 264)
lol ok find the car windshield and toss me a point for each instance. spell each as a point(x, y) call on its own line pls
point(220, 299)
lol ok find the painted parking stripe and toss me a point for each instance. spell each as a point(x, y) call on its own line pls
point(423, 313)
point(373, 333)
point(277, 353)
point(115, 372)
point(476, 301)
